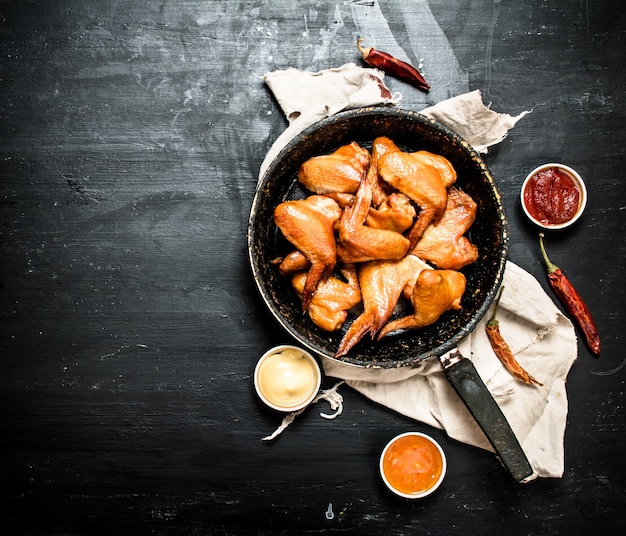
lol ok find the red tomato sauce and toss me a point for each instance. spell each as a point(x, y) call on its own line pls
point(551, 196)
point(412, 464)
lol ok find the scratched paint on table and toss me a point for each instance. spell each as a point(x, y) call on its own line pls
point(195, 72)
point(431, 51)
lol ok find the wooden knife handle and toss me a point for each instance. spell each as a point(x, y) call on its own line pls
point(467, 383)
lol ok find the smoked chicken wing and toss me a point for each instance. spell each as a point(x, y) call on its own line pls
point(360, 243)
point(443, 242)
point(294, 262)
point(380, 189)
point(341, 171)
point(381, 285)
point(424, 177)
point(333, 298)
point(362, 207)
point(308, 224)
point(343, 199)
point(434, 293)
point(395, 213)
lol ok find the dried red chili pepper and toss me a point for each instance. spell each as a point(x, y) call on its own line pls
point(572, 301)
point(502, 349)
point(393, 66)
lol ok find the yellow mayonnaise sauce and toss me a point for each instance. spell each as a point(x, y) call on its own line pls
point(287, 378)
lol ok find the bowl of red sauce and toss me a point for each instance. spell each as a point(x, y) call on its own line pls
point(553, 196)
point(413, 465)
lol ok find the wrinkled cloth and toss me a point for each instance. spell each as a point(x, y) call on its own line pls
point(472, 120)
point(542, 339)
point(307, 97)
point(544, 343)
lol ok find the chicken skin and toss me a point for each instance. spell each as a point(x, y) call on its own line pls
point(360, 243)
point(424, 177)
point(434, 293)
point(380, 189)
point(333, 298)
point(381, 285)
point(341, 171)
point(309, 225)
point(381, 229)
point(395, 213)
point(443, 242)
point(294, 262)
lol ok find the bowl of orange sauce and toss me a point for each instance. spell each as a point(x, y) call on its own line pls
point(553, 196)
point(413, 465)
point(287, 378)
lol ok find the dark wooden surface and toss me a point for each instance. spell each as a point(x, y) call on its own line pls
point(131, 136)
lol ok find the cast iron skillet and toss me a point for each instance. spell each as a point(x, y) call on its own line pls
point(411, 132)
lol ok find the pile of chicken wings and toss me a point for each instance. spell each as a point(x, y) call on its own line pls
point(378, 226)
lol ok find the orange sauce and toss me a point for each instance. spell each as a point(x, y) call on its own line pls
point(412, 464)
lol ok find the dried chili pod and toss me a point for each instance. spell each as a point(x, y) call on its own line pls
point(502, 350)
point(572, 301)
point(393, 66)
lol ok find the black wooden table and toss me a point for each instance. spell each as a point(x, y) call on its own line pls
point(131, 136)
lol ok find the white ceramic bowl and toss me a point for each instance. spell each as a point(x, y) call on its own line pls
point(287, 378)
point(424, 454)
point(578, 181)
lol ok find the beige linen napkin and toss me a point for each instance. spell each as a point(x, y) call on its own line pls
point(307, 97)
point(541, 337)
point(544, 343)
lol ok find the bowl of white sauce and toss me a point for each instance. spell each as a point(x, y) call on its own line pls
point(287, 378)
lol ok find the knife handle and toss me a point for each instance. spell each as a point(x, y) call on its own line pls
point(469, 386)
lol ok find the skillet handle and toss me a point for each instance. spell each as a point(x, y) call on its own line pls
point(469, 386)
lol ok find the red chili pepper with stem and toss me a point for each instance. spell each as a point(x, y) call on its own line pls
point(393, 66)
point(572, 301)
point(502, 349)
